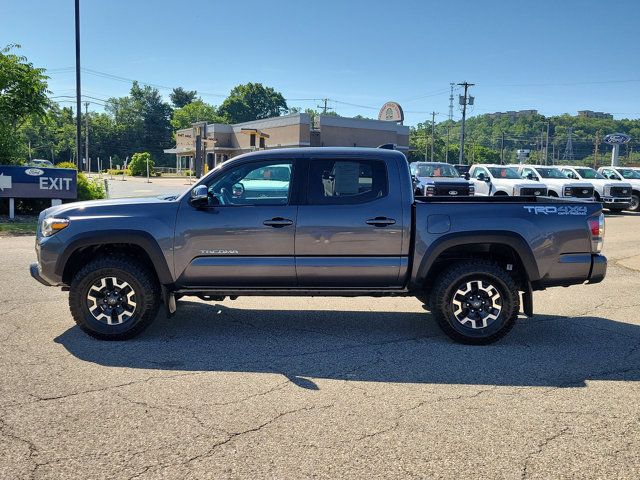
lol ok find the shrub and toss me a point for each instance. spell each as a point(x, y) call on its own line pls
point(122, 171)
point(66, 165)
point(90, 188)
point(138, 163)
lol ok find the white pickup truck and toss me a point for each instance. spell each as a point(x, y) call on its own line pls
point(615, 196)
point(629, 175)
point(558, 185)
point(490, 180)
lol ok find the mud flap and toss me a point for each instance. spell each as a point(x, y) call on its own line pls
point(169, 301)
point(527, 300)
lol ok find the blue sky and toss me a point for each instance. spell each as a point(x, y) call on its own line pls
point(555, 56)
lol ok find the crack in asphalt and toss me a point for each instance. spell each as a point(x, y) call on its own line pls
point(231, 436)
point(539, 449)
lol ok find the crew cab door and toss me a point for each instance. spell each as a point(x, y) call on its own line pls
point(245, 236)
point(479, 175)
point(350, 226)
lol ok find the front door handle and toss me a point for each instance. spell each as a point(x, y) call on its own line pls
point(278, 222)
point(380, 221)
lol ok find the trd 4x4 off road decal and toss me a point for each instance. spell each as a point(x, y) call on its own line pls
point(568, 210)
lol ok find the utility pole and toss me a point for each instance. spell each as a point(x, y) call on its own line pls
point(78, 91)
point(86, 119)
point(546, 146)
point(464, 100)
point(433, 131)
point(502, 148)
point(446, 154)
point(324, 107)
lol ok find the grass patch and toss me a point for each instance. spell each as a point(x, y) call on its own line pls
point(22, 225)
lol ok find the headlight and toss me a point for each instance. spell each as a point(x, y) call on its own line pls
point(53, 225)
point(430, 190)
point(568, 192)
point(515, 191)
point(472, 189)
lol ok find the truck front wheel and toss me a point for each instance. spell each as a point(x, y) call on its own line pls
point(114, 298)
point(475, 302)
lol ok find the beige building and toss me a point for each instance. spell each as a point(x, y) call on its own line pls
point(219, 142)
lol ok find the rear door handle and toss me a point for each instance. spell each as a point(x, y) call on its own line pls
point(278, 222)
point(380, 221)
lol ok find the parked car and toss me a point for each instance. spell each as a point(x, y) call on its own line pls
point(616, 196)
point(503, 180)
point(439, 179)
point(558, 185)
point(628, 175)
point(347, 225)
point(36, 162)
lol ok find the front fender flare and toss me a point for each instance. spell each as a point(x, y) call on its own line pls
point(135, 237)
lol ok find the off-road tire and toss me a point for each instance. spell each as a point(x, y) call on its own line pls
point(636, 203)
point(447, 286)
point(126, 269)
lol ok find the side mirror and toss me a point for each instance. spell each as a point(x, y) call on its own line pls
point(199, 196)
point(530, 176)
point(481, 177)
point(466, 176)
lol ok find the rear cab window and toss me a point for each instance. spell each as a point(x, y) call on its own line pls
point(346, 181)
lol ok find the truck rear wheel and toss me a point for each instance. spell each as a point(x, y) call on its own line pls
point(475, 302)
point(114, 298)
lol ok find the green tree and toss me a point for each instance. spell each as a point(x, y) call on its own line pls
point(23, 93)
point(196, 111)
point(181, 97)
point(252, 101)
point(142, 120)
point(138, 163)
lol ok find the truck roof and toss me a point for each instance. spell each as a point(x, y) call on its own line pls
point(305, 152)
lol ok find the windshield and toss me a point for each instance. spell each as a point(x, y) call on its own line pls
point(628, 173)
point(588, 173)
point(503, 172)
point(550, 173)
point(436, 170)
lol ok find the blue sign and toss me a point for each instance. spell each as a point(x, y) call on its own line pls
point(32, 182)
point(616, 138)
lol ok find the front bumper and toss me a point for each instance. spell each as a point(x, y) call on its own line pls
point(598, 268)
point(34, 269)
point(616, 202)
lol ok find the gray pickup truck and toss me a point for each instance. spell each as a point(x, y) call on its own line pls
point(317, 222)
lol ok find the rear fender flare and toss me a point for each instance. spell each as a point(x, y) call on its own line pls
point(510, 239)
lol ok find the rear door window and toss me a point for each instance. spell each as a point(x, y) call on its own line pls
point(346, 182)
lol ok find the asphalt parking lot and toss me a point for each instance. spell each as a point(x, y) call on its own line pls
point(323, 388)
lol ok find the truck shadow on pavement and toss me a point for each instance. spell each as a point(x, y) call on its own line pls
point(370, 346)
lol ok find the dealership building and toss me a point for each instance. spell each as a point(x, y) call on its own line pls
point(216, 142)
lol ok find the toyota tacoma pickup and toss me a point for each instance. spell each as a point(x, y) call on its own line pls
point(316, 222)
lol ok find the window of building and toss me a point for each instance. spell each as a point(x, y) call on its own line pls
point(252, 140)
point(348, 182)
point(262, 144)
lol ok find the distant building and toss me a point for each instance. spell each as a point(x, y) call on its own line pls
point(512, 114)
point(592, 114)
point(219, 142)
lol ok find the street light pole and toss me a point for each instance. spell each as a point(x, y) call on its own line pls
point(78, 91)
